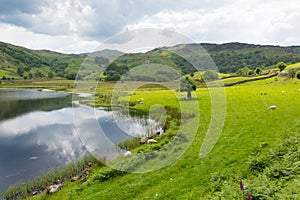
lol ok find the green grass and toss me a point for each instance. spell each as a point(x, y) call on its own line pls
point(295, 65)
point(55, 84)
point(232, 80)
point(8, 74)
point(248, 123)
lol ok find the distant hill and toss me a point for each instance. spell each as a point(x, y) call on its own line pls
point(158, 57)
point(106, 53)
point(22, 63)
point(230, 57)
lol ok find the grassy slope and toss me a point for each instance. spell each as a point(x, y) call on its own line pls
point(248, 123)
point(230, 57)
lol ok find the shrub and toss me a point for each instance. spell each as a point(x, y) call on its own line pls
point(281, 66)
point(298, 75)
point(258, 70)
point(210, 75)
point(244, 71)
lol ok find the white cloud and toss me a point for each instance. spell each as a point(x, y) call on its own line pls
point(64, 43)
point(246, 21)
point(78, 26)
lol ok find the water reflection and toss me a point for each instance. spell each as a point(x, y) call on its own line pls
point(14, 102)
point(35, 140)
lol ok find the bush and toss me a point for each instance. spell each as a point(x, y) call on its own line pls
point(210, 75)
point(108, 174)
point(244, 71)
point(281, 66)
point(258, 70)
point(298, 75)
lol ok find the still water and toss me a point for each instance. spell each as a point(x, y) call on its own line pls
point(37, 132)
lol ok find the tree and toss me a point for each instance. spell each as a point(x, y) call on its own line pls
point(50, 75)
point(187, 84)
point(210, 75)
point(281, 66)
point(20, 71)
point(71, 76)
point(244, 71)
point(298, 75)
point(258, 70)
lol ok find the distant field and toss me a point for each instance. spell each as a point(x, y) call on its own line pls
point(232, 80)
point(295, 65)
point(8, 73)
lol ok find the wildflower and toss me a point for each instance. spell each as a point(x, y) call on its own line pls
point(241, 185)
point(249, 197)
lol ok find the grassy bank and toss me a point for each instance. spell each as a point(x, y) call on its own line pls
point(250, 132)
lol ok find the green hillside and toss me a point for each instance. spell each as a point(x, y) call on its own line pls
point(232, 56)
point(22, 63)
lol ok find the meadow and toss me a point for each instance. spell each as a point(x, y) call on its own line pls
point(258, 146)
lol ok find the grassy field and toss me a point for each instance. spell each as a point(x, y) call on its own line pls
point(248, 128)
point(56, 84)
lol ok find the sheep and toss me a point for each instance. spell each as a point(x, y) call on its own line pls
point(143, 140)
point(283, 92)
point(273, 107)
point(127, 154)
point(151, 141)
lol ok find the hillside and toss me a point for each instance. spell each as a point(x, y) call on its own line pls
point(22, 63)
point(232, 56)
point(229, 58)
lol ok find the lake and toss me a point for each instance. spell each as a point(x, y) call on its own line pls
point(38, 132)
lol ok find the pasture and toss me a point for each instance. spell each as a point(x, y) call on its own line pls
point(249, 129)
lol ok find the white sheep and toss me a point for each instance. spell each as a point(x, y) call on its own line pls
point(143, 140)
point(127, 154)
point(283, 92)
point(273, 107)
point(151, 141)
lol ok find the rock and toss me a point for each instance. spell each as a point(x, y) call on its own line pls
point(90, 164)
point(75, 178)
point(127, 154)
point(34, 193)
point(54, 188)
point(86, 172)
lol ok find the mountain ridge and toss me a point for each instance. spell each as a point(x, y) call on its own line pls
point(22, 63)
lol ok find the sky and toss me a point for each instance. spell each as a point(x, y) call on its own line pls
point(77, 26)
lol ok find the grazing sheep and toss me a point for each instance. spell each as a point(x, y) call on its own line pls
point(151, 141)
point(273, 107)
point(143, 140)
point(127, 154)
point(283, 92)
